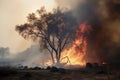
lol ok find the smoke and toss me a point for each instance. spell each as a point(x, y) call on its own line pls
point(6, 58)
point(104, 17)
point(33, 56)
point(4, 52)
point(15, 12)
point(30, 57)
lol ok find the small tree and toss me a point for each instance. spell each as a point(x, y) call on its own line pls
point(53, 30)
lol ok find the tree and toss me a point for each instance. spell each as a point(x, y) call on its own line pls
point(54, 30)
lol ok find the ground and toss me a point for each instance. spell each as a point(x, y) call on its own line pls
point(67, 74)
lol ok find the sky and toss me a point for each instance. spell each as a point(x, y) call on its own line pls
point(14, 12)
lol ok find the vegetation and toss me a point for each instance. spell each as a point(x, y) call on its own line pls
point(60, 74)
point(53, 30)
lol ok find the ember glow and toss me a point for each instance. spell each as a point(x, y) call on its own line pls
point(104, 63)
point(75, 54)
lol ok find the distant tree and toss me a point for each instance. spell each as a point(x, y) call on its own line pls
point(54, 30)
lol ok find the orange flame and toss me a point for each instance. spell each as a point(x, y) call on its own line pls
point(75, 54)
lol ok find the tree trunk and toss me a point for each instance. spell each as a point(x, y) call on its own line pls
point(52, 58)
point(57, 58)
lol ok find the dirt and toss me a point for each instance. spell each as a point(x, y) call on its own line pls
point(70, 74)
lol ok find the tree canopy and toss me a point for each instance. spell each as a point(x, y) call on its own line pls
point(54, 30)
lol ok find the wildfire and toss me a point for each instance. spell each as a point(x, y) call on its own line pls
point(75, 54)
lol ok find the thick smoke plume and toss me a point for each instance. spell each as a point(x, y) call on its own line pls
point(104, 17)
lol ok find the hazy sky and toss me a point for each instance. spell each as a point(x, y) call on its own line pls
point(13, 12)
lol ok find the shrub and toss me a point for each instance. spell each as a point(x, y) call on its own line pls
point(89, 65)
point(36, 68)
point(95, 65)
point(48, 68)
point(54, 69)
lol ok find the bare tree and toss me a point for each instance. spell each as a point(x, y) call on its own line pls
point(54, 30)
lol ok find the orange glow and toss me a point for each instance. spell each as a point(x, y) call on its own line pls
point(48, 63)
point(78, 49)
point(75, 54)
point(104, 63)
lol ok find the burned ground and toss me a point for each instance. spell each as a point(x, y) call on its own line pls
point(89, 73)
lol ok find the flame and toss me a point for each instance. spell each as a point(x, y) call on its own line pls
point(75, 54)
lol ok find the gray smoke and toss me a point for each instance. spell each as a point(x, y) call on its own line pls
point(104, 17)
point(30, 57)
point(33, 56)
point(6, 58)
point(4, 52)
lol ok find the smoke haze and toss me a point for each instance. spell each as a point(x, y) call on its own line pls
point(104, 17)
point(30, 57)
point(14, 12)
